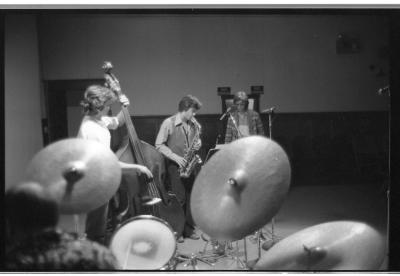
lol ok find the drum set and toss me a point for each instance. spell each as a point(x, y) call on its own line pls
point(237, 192)
point(144, 242)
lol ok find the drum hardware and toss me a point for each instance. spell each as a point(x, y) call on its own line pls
point(217, 251)
point(224, 249)
point(234, 254)
point(267, 241)
point(189, 259)
point(193, 259)
point(150, 201)
point(204, 256)
point(258, 234)
point(257, 238)
point(208, 258)
point(268, 244)
point(271, 238)
point(80, 232)
point(250, 264)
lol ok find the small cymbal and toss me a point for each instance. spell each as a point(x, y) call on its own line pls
point(240, 188)
point(80, 174)
point(336, 245)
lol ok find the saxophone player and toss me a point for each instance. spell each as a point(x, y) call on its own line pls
point(177, 137)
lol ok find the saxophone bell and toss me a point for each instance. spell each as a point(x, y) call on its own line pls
point(191, 158)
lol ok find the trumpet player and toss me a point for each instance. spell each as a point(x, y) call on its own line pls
point(178, 139)
point(243, 122)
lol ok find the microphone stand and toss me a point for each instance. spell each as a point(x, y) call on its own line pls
point(235, 125)
point(270, 124)
point(272, 233)
point(386, 91)
point(259, 235)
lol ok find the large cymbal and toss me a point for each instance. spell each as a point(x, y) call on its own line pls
point(80, 174)
point(336, 245)
point(240, 188)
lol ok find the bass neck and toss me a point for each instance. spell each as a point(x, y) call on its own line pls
point(133, 137)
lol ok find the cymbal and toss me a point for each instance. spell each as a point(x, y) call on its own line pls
point(240, 188)
point(80, 174)
point(336, 245)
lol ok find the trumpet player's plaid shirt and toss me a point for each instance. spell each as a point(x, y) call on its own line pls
point(254, 123)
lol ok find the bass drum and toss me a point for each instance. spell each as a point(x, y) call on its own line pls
point(143, 243)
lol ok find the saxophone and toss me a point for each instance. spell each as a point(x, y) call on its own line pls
point(192, 159)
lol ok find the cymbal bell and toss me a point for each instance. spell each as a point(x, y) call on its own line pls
point(240, 188)
point(80, 174)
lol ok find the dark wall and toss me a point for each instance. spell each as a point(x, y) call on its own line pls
point(21, 85)
point(323, 148)
point(166, 56)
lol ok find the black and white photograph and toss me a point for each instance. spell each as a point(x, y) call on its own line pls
point(177, 138)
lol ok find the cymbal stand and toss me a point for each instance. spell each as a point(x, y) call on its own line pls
point(193, 260)
point(235, 125)
point(235, 255)
point(79, 225)
point(228, 251)
point(258, 236)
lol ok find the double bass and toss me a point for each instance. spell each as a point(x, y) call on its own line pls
point(137, 190)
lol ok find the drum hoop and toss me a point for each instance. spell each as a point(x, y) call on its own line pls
point(151, 217)
point(148, 217)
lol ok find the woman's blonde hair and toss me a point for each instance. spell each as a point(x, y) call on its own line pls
point(95, 98)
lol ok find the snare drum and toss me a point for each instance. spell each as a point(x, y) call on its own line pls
point(143, 242)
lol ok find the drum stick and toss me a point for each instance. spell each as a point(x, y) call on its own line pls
point(127, 255)
point(245, 249)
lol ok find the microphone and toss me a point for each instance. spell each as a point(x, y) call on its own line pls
point(268, 110)
point(226, 113)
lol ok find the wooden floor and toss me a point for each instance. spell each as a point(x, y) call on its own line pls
point(303, 207)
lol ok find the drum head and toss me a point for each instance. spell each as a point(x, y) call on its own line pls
point(143, 242)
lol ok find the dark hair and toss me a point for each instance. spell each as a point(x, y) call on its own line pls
point(30, 208)
point(187, 102)
point(95, 98)
point(54, 250)
point(241, 96)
